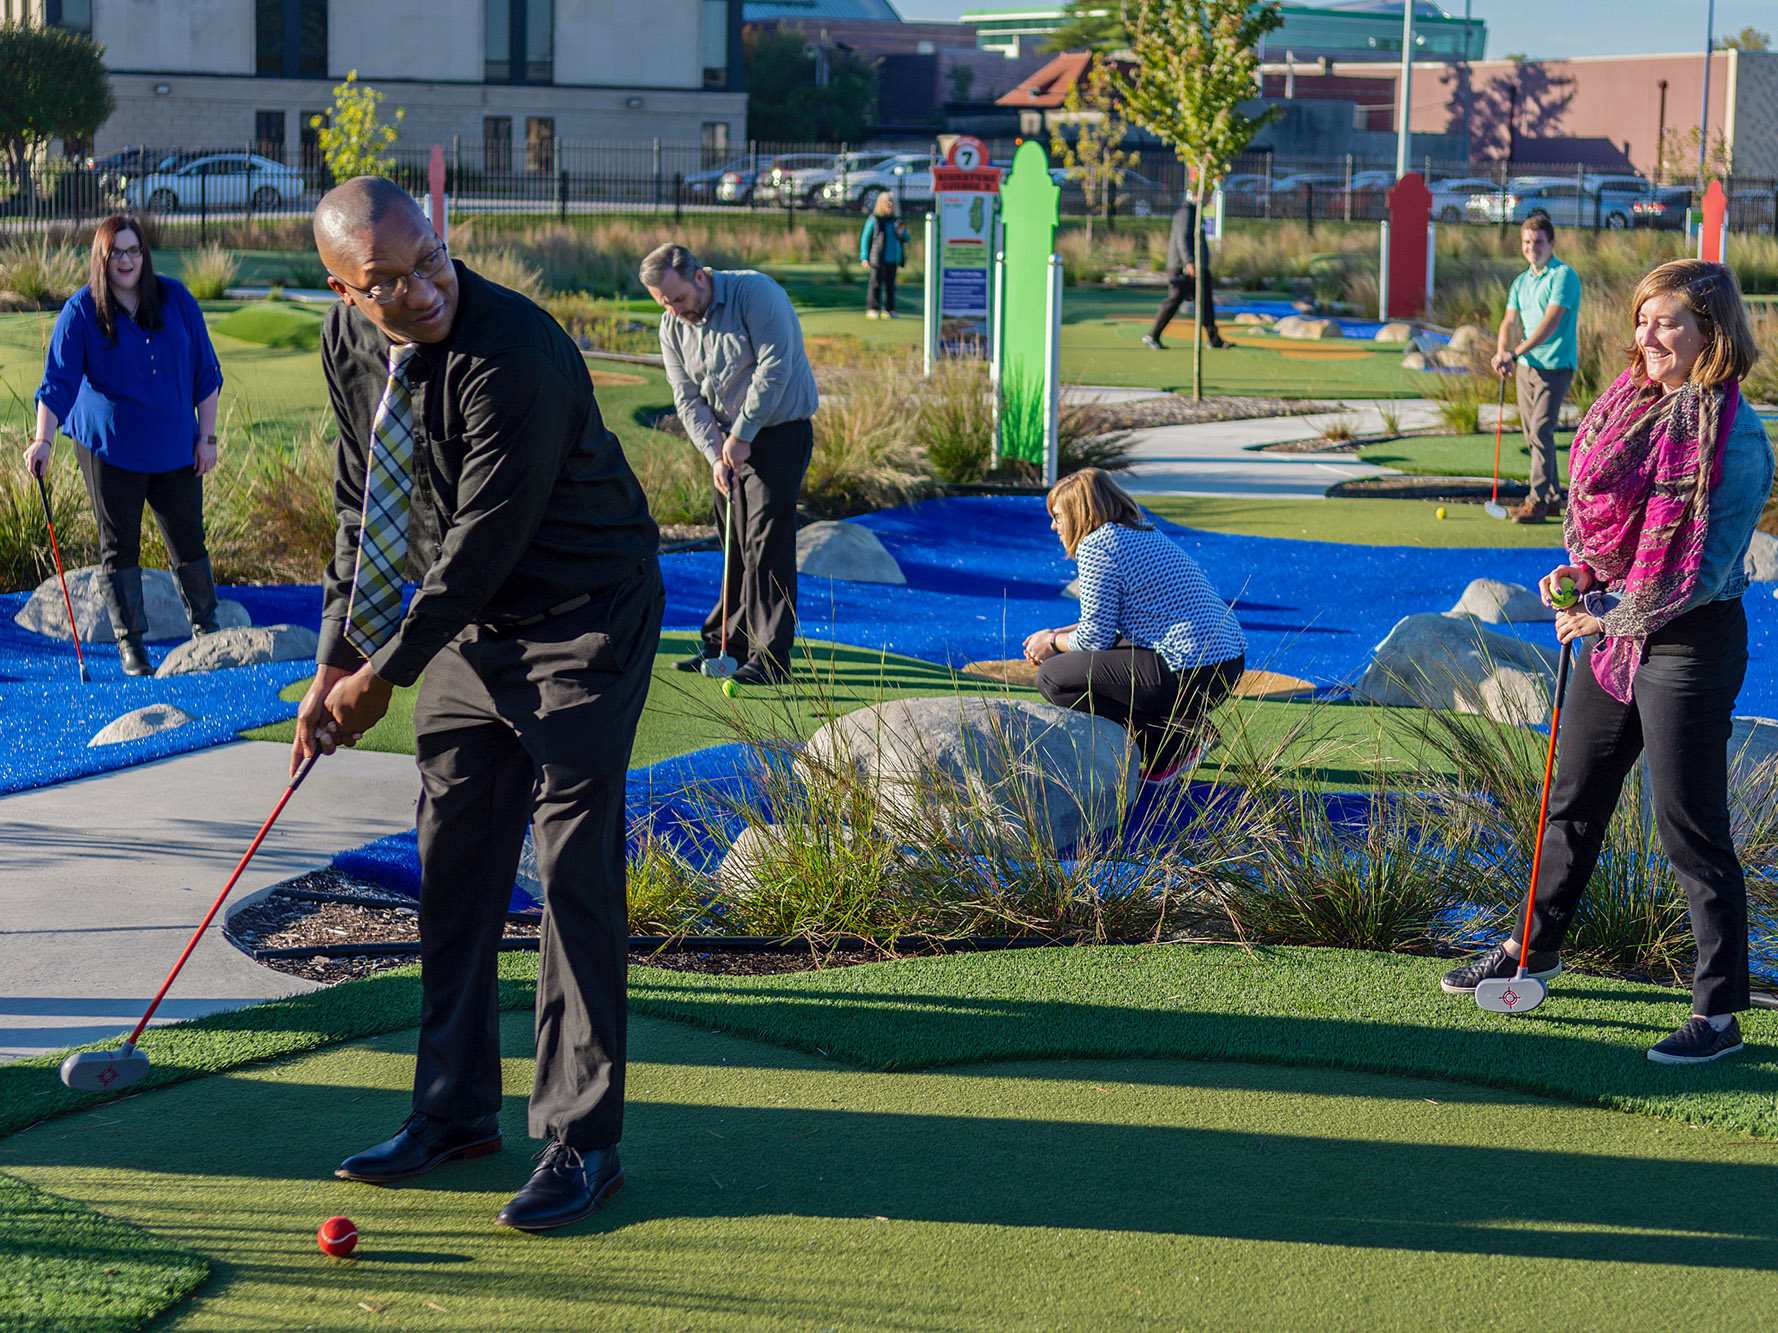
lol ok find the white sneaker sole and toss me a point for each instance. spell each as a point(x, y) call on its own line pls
point(1449, 989)
point(1662, 1058)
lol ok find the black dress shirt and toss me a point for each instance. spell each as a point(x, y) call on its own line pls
point(522, 499)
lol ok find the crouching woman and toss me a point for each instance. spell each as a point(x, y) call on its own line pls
point(1156, 648)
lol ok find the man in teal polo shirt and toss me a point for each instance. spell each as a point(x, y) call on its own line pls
point(1545, 300)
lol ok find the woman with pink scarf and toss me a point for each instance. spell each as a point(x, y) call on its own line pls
point(1668, 475)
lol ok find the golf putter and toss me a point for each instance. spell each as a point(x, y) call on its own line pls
point(112, 1071)
point(1494, 509)
point(723, 666)
point(1519, 993)
point(56, 551)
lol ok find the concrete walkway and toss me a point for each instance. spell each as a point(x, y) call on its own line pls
point(104, 880)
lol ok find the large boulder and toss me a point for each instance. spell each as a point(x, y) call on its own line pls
point(1253, 319)
point(1007, 769)
point(148, 721)
point(1302, 326)
point(1762, 558)
point(1420, 361)
point(1455, 661)
point(1396, 331)
point(1471, 342)
point(43, 612)
point(243, 645)
point(1501, 603)
point(846, 551)
point(1752, 741)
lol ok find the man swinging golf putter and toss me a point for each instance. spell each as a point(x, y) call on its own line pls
point(472, 452)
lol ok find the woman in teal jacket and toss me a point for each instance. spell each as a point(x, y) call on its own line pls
point(883, 246)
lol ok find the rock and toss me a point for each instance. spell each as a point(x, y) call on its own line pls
point(1472, 341)
point(1417, 361)
point(1427, 344)
point(1450, 661)
point(748, 856)
point(1301, 326)
point(242, 645)
point(846, 551)
point(1255, 319)
point(982, 766)
point(148, 721)
point(1395, 331)
point(1502, 603)
point(1071, 589)
point(1752, 741)
point(44, 613)
point(1762, 558)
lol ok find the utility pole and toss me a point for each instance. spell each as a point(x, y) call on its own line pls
point(1407, 89)
point(1661, 139)
point(1704, 115)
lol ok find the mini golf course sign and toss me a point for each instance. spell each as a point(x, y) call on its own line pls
point(962, 236)
point(1028, 318)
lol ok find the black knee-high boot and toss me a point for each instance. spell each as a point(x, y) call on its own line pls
point(129, 617)
point(197, 589)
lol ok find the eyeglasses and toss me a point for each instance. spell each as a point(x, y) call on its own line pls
point(126, 252)
point(431, 264)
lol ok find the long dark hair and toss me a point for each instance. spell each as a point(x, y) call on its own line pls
point(98, 280)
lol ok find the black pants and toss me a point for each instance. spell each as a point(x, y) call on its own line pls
point(1680, 715)
point(880, 294)
point(1135, 688)
point(535, 727)
point(762, 556)
point(176, 499)
point(1177, 289)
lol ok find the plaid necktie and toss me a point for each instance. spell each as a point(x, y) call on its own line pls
point(375, 608)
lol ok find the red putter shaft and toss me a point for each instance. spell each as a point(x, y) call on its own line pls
point(216, 907)
point(56, 551)
point(1543, 810)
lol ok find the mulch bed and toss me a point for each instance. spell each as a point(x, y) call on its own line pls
point(1177, 410)
point(1320, 445)
point(1445, 490)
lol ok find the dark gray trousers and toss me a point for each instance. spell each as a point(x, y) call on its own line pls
point(531, 726)
point(762, 555)
point(1540, 404)
point(1178, 288)
point(1135, 688)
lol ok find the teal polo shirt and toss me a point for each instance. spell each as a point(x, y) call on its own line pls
point(1532, 294)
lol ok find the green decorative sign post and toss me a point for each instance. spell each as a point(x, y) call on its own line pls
point(1026, 370)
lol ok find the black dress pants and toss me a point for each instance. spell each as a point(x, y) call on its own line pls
point(761, 557)
point(879, 294)
point(1177, 289)
point(1680, 717)
point(176, 499)
point(1135, 688)
point(531, 726)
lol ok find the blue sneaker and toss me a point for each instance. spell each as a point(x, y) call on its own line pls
point(1698, 1043)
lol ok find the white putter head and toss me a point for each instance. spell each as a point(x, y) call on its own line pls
point(105, 1071)
point(718, 667)
point(1510, 995)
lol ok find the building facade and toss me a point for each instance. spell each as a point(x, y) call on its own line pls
point(510, 77)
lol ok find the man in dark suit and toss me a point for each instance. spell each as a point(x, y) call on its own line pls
point(471, 453)
point(1182, 265)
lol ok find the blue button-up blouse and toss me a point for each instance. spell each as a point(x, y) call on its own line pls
point(132, 402)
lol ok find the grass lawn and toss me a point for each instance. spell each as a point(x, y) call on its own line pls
point(1464, 455)
point(1359, 522)
point(1169, 1136)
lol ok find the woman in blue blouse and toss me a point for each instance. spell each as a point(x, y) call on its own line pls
point(132, 379)
point(1155, 648)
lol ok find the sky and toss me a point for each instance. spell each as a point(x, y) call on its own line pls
point(1538, 29)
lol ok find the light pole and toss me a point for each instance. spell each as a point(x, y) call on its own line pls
point(1407, 89)
point(1661, 139)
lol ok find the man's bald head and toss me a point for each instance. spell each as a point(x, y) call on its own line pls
point(372, 236)
point(350, 214)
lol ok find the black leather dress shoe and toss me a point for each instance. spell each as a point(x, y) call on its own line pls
point(693, 663)
point(566, 1186)
point(423, 1143)
point(758, 673)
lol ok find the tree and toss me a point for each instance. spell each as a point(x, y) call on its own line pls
point(55, 87)
point(802, 94)
point(1197, 63)
point(1748, 39)
point(1094, 158)
point(1093, 25)
point(1679, 156)
point(354, 141)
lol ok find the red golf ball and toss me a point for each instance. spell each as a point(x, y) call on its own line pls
point(337, 1236)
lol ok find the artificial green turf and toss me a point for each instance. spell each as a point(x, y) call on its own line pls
point(273, 324)
point(1357, 522)
point(1463, 455)
point(64, 1265)
point(770, 1189)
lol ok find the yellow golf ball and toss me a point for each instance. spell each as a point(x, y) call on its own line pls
point(728, 688)
point(1439, 512)
point(1564, 595)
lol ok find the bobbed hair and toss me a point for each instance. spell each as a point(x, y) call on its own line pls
point(1085, 501)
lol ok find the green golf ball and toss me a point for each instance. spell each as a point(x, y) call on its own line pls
point(1563, 596)
point(728, 688)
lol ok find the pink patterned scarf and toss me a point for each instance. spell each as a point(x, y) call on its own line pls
point(1641, 472)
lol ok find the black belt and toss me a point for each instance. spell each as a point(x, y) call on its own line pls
point(549, 613)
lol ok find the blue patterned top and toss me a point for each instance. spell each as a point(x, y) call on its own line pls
point(1137, 584)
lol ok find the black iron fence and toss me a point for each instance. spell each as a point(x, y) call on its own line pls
point(243, 184)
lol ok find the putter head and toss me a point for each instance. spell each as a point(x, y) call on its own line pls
point(718, 667)
point(105, 1071)
point(1510, 995)
point(1493, 510)
point(86, 677)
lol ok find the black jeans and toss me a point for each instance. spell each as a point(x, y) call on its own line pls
point(762, 558)
point(1135, 688)
point(1680, 717)
point(176, 499)
point(1177, 289)
point(880, 294)
point(517, 727)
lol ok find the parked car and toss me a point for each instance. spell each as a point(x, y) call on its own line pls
point(1450, 197)
point(1136, 196)
point(777, 183)
point(700, 186)
point(1587, 201)
point(908, 176)
point(1293, 193)
point(744, 182)
point(1367, 198)
point(806, 183)
point(214, 180)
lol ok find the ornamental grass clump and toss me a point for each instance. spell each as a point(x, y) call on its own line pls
point(209, 271)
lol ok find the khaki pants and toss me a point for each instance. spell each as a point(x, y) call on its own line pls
point(1540, 402)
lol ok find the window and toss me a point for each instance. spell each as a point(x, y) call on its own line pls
point(497, 143)
point(74, 15)
point(268, 134)
point(290, 38)
point(714, 43)
point(715, 142)
point(525, 28)
point(309, 143)
point(540, 143)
